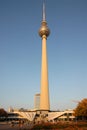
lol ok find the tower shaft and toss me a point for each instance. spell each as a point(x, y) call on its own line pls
point(44, 95)
point(44, 98)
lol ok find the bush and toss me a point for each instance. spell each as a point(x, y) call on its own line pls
point(61, 126)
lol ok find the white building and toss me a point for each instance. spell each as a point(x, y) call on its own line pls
point(37, 101)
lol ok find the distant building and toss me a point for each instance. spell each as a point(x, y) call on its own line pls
point(10, 109)
point(37, 101)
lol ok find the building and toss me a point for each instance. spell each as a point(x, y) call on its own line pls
point(66, 115)
point(37, 101)
point(52, 116)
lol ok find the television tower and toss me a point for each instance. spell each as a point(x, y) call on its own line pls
point(44, 94)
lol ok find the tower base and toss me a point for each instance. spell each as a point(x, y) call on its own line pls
point(41, 116)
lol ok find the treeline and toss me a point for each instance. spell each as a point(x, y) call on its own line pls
point(3, 114)
point(81, 110)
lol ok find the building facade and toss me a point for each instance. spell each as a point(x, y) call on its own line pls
point(37, 101)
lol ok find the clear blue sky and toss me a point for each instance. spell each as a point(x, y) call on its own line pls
point(20, 52)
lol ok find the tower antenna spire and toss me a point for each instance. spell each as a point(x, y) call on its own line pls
point(44, 30)
point(44, 11)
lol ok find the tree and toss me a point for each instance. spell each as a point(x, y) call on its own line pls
point(81, 109)
point(3, 113)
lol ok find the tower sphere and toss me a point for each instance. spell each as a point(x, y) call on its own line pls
point(44, 30)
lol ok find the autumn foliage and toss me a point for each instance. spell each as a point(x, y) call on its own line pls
point(81, 109)
point(3, 113)
point(61, 126)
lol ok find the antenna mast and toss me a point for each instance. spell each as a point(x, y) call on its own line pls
point(44, 11)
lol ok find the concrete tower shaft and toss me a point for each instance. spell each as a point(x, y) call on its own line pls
point(44, 95)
